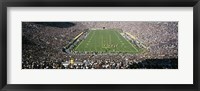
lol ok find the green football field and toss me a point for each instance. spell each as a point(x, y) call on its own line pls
point(106, 41)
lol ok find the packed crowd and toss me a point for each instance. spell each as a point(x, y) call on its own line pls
point(102, 63)
point(43, 43)
point(160, 37)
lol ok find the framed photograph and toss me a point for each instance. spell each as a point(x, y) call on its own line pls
point(99, 45)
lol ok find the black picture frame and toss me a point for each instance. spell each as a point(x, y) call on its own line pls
point(101, 3)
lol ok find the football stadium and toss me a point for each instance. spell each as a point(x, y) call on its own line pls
point(107, 41)
point(100, 45)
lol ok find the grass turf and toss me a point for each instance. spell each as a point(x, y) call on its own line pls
point(106, 41)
